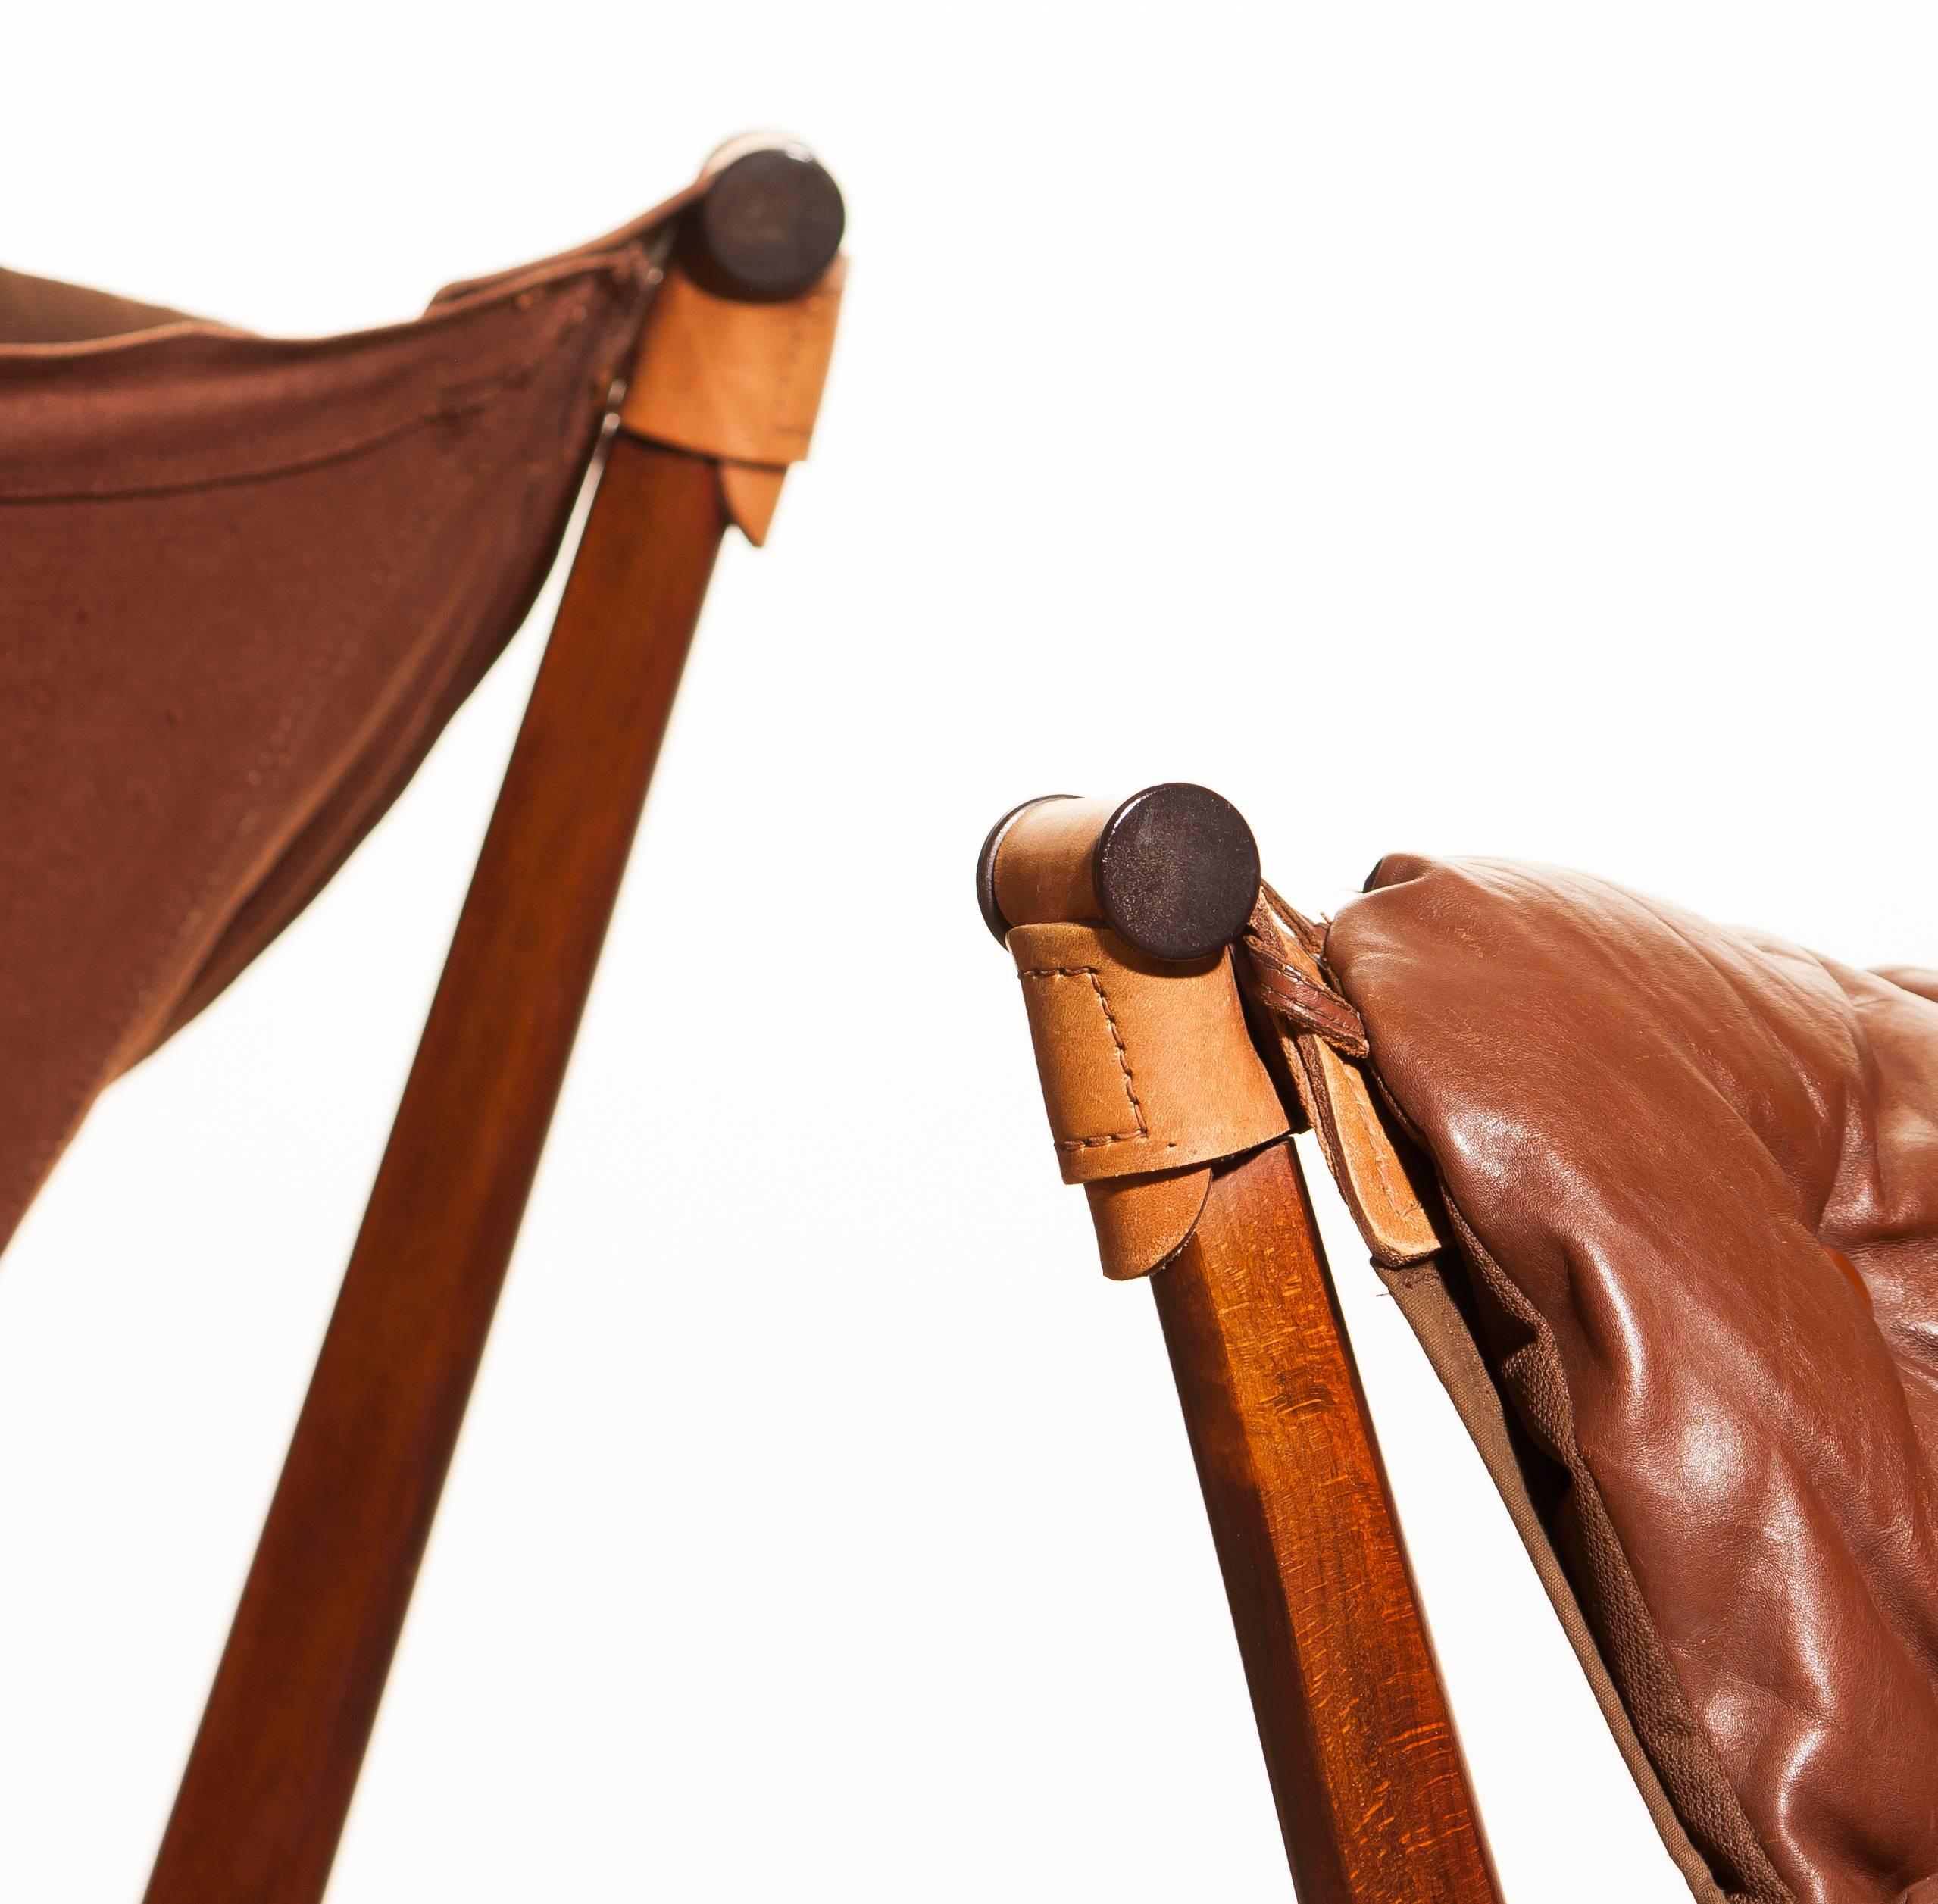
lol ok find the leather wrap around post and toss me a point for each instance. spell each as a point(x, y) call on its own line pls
point(1149, 1078)
point(1149, 1075)
point(734, 378)
point(1151, 1066)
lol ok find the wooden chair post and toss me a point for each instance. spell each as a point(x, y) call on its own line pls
point(1366, 1771)
point(269, 1781)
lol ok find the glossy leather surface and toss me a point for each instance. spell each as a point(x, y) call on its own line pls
point(1661, 1142)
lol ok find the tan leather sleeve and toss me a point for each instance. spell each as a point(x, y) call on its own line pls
point(739, 381)
point(1144, 1067)
point(1148, 1076)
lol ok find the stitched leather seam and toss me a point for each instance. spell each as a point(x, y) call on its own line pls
point(1143, 1129)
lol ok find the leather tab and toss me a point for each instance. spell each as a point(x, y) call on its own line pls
point(1144, 1067)
point(1144, 1221)
point(751, 491)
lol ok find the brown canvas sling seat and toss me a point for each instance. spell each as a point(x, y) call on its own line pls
point(1660, 1199)
point(244, 584)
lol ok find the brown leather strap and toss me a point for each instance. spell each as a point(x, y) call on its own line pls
point(1293, 997)
point(1320, 1038)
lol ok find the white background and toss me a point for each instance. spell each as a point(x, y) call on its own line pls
point(1455, 428)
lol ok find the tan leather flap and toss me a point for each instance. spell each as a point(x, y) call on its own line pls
point(1143, 1221)
point(750, 491)
point(1144, 1067)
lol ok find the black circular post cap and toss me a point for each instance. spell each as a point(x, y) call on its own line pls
point(768, 226)
point(1177, 871)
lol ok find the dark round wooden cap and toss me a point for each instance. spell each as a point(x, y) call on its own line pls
point(767, 227)
point(1177, 871)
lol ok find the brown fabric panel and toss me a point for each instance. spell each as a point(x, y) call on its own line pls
point(642, 236)
point(41, 311)
point(243, 584)
point(1427, 1297)
point(1658, 1139)
point(359, 798)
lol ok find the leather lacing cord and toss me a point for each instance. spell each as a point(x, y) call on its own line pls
point(1280, 967)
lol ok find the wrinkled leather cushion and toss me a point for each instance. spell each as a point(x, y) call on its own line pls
point(1659, 1130)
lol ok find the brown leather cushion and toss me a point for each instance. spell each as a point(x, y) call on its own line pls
point(246, 582)
point(1695, 1173)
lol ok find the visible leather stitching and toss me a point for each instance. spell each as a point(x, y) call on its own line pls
point(1143, 1129)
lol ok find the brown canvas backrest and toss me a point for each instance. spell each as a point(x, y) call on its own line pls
point(40, 310)
point(245, 582)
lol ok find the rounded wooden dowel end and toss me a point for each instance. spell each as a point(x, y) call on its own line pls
point(1177, 871)
point(986, 865)
point(767, 227)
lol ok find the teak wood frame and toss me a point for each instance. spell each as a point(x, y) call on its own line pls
point(269, 1781)
point(1372, 1793)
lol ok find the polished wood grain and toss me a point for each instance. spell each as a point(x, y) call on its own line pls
point(1366, 1769)
point(270, 1778)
